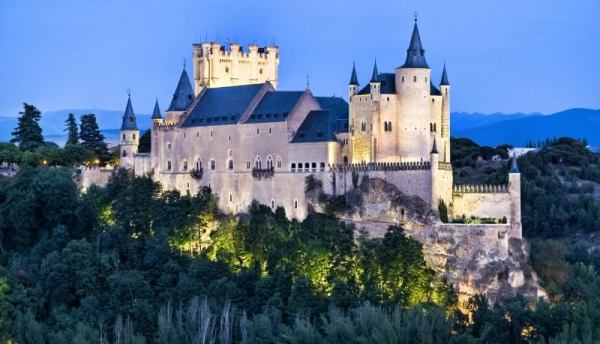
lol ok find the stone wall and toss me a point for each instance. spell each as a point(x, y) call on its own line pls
point(93, 175)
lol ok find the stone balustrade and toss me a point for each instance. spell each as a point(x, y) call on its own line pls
point(381, 166)
point(487, 188)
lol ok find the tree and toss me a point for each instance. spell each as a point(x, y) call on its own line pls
point(92, 138)
point(145, 142)
point(71, 129)
point(28, 133)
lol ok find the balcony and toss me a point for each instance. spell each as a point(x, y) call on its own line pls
point(196, 173)
point(260, 173)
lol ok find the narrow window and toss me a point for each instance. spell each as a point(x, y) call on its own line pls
point(402, 79)
point(212, 165)
point(272, 204)
point(293, 167)
point(123, 137)
point(389, 126)
point(124, 153)
point(230, 198)
point(134, 136)
point(168, 165)
point(295, 204)
point(415, 78)
point(184, 165)
point(257, 131)
point(230, 165)
point(322, 166)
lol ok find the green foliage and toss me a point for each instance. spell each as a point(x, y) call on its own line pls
point(28, 133)
point(145, 142)
point(465, 152)
point(443, 209)
point(72, 130)
point(92, 138)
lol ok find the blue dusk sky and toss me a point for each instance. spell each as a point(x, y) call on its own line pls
point(502, 56)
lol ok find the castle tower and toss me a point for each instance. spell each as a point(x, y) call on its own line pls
point(514, 188)
point(353, 85)
point(182, 98)
point(156, 116)
point(413, 91)
point(434, 158)
point(130, 136)
point(445, 124)
point(217, 65)
point(375, 84)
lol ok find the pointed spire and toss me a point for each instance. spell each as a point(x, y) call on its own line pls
point(156, 113)
point(415, 54)
point(353, 78)
point(444, 81)
point(514, 167)
point(375, 76)
point(184, 94)
point(434, 148)
point(129, 121)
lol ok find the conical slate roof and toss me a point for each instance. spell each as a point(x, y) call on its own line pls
point(375, 75)
point(156, 113)
point(415, 54)
point(184, 94)
point(444, 81)
point(353, 77)
point(434, 148)
point(129, 122)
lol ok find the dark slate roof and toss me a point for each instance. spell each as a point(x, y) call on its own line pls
point(275, 106)
point(375, 75)
point(434, 148)
point(221, 105)
point(184, 94)
point(415, 54)
point(444, 81)
point(156, 113)
point(339, 108)
point(434, 90)
point(353, 77)
point(319, 126)
point(388, 84)
point(129, 122)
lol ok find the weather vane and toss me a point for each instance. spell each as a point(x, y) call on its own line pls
point(128, 91)
point(307, 81)
point(416, 15)
point(184, 63)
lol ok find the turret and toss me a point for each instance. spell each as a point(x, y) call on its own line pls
point(514, 189)
point(129, 136)
point(375, 84)
point(435, 175)
point(156, 116)
point(445, 132)
point(182, 98)
point(353, 85)
point(413, 90)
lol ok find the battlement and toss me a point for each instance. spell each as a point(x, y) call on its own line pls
point(210, 49)
point(482, 188)
point(220, 65)
point(382, 166)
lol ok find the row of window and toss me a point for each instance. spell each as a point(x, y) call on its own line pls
point(307, 167)
point(258, 164)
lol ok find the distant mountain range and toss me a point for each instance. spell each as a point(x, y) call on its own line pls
point(485, 129)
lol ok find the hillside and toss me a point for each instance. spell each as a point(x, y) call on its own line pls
point(577, 123)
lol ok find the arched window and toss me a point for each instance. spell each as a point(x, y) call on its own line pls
point(402, 79)
point(257, 163)
point(248, 164)
point(198, 164)
point(213, 165)
point(293, 167)
point(345, 160)
point(278, 162)
point(123, 137)
point(306, 167)
point(389, 126)
point(184, 165)
point(169, 165)
point(314, 166)
point(230, 165)
point(269, 162)
point(384, 126)
point(134, 136)
point(322, 166)
point(230, 198)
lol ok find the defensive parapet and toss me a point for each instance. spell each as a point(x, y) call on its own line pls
point(381, 166)
point(217, 65)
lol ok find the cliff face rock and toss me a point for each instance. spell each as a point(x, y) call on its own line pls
point(475, 259)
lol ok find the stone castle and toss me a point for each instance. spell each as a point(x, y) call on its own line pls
point(234, 132)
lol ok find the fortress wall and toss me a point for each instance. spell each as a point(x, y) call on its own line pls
point(410, 182)
point(485, 205)
point(88, 176)
point(142, 164)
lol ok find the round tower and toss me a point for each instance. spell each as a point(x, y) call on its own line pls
point(353, 84)
point(413, 90)
point(514, 188)
point(129, 136)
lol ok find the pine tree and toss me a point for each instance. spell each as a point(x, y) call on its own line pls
point(28, 133)
point(72, 130)
point(92, 138)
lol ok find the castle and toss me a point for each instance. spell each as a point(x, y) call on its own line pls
point(237, 134)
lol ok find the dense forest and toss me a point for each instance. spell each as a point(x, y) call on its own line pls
point(131, 263)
